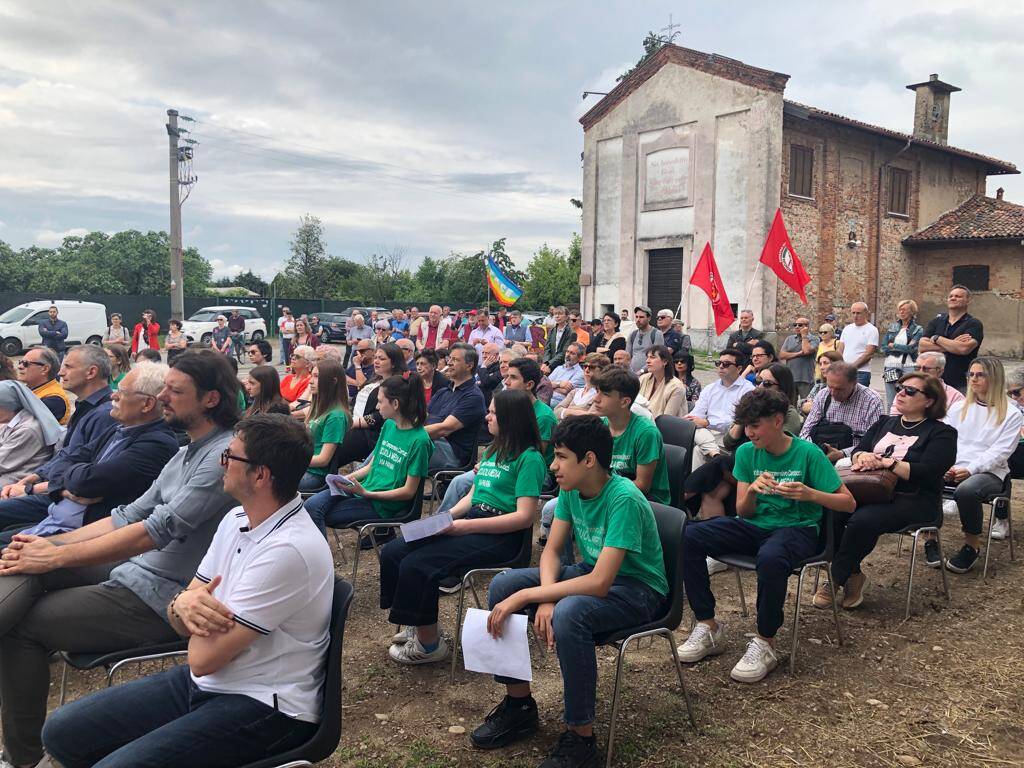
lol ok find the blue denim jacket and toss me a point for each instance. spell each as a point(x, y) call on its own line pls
point(914, 332)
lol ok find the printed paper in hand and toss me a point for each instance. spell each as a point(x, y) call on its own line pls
point(337, 487)
point(509, 655)
point(427, 526)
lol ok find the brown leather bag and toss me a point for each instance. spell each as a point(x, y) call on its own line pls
point(875, 486)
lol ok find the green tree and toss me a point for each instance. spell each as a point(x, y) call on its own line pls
point(652, 44)
point(308, 256)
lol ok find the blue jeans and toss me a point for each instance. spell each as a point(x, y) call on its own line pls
point(970, 496)
point(864, 377)
point(165, 720)
point(576, 620)
point(457, 488)
point(776, 551)
point(25, 511)
point(311, 482)
point(338, 511)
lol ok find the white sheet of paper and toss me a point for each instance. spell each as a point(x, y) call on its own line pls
point(509, 655)
point(427, 526)
point(337, 488)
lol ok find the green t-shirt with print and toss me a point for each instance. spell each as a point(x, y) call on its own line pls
point(803, 462)
point(499, 484)
point(546, 422)
point(621, 517)
point(641, 443)
point(327, 428)
point(398, 455)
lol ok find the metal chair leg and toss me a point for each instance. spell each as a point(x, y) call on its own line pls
point(910, 575)
point(899, 547)
point(942, 567)
point(796, 621)
point(743, 598)
point(63, 683)
point(671, 638)
point(1009, 528)
point(615, 704)
point(988, 539)
point(458, 630)
point(835, 602)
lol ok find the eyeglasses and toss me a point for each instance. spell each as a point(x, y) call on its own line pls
point(1014, 392)
point(799, 325)
point(765, 383)
point(758, 354)
point(25, 363)
point(586, 366)
point(908, 390)
point(723, 364)
point(977, 375)
point(927, 368)
point(229, 456)
point(123, 391)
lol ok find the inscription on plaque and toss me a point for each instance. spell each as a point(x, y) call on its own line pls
point(668, 176)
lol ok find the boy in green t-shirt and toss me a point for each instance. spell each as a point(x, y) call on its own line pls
point(620, 583)
point(782, 484)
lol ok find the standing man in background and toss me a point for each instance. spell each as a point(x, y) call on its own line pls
point(286, 326)
point(53, 332)
point(859, 342)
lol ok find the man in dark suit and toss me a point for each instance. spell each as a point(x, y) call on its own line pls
point(488, 375)
point(559, 337)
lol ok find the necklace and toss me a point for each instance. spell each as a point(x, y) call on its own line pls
point(914, 425)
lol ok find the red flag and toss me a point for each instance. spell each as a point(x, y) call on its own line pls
point(706, 277)
point(778, 254)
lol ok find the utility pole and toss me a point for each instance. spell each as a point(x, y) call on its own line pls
point(179, 161)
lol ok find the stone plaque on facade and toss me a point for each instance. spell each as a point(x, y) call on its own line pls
point(666, 172)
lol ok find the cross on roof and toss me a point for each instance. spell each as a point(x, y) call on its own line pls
point(670, 30)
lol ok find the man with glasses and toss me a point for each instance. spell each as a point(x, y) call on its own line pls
point(957, 334)
point(90, 479)
point(841, 413)
point(106, 586)
point(580, 328)
point(858, 342)
point(260, 353)
point(933, 363)
point(38, 371)
point(361, 368)
point(798, 352)
point(666, 324)
point(713, 413)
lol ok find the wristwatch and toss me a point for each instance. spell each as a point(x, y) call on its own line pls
point(30, 488)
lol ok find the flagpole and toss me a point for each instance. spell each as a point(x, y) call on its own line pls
point(750, 288)
point(487, 286)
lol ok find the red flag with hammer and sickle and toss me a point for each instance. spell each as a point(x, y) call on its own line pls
point(706, 277)
point(779, 256)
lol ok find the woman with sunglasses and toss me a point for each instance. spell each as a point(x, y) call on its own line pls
point(684, 364)
point(665, 394)
point(367, 419)
point(295, 385)
point(328, 420)
point(988, 426)
point(919, 448)
point(488, 529)
point(384, 486)
point(829, 342)
point(579, 402)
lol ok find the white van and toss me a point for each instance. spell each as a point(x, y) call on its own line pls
point(87, 322)
point(199, 327)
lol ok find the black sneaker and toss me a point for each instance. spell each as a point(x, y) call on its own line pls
point(510, 721)
point(931, 553)
point(963, 560)
point(573, 751)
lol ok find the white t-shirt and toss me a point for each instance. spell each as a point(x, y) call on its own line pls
point(856, 339)
point(278, 580)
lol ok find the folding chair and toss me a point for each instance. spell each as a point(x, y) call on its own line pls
point(363, 527)
point(325, 740)
point(440, 478)
point(114, 660)
point(671, 526)
point(915, 531)
point(822, 559)
point(521, 560)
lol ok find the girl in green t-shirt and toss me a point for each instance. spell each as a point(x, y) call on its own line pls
point(328, 419)
point(385, 485)
point(487, 530)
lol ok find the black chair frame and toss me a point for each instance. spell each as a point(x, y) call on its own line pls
point(115, 660)
point(996, 501)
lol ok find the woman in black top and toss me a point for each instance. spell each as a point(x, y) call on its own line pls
point(608, 340)
point(919, 448)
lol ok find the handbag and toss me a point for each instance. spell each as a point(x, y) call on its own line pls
point(875, 486)
point(833, 433)
point(891, 375)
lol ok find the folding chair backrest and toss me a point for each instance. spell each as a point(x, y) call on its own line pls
point(671, 526)
point(676, 461)
point(676, 431)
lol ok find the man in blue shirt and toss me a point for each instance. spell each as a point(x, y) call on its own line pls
point(515, 331)
point(569, 375)
point(456, 412)
point(54, 332)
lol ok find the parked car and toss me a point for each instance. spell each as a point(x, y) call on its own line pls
point(87, 322)
point(200, 326)
point(333, 324)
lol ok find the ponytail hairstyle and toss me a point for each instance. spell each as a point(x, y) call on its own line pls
point(517, 425)
point(409, 393)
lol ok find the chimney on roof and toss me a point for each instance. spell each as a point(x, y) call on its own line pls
point(999, 194)
point(931, 109)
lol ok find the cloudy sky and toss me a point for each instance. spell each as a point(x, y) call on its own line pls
point(433, 126)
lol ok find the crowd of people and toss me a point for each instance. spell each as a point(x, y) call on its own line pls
point(145, 502)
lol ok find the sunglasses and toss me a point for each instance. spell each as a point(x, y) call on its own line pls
point(229, 456)
point(908, 390)
point(723, 364)
point(586, 366)
point(765, 383)
point(799, 325)
point(26, 363)
point(977, 375)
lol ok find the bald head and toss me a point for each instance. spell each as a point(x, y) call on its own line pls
point(859, 310)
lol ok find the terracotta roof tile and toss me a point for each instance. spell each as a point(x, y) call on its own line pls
point(977, 218)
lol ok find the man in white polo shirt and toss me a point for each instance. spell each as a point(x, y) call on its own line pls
point(256, 651)
point(714, 408)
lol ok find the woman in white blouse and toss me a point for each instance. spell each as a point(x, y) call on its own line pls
point(579, 401)
point(665, 394)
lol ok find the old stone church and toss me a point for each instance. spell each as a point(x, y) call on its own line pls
point(695, 147)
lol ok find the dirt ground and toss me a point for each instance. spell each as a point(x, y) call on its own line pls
point(945, 688)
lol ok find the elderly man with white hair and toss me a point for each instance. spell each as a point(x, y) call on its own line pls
point(934, 363)
point(430, 334)
point(859, 342)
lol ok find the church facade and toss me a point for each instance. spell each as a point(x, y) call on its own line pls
point(694, 148)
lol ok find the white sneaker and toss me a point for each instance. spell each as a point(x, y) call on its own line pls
point(949, 507)
point(413, 652)
point(757, 662)
point(702, 642)
point(401, 637)
point(716, 566)
point(1000, 529)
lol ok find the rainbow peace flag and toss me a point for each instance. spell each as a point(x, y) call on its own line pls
point(505, 291)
